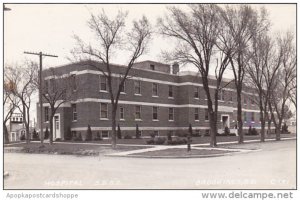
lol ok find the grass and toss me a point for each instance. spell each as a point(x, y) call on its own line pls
point(67, 149)
point(181, 152)
point(195, 140)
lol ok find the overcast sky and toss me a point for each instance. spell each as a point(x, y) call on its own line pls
point(50, 27)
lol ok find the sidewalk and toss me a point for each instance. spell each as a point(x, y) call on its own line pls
point(194, 146)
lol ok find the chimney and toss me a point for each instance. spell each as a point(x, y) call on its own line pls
point(175, 68)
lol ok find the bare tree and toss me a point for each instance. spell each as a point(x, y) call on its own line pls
point(10, 103)
point(261, 58)
point(198, 33)
point(110, 35)
point(55, 93)
point(23, 77)
point(243, 22)
point(283, 79)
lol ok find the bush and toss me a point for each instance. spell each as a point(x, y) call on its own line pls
point(58, 140)
point(285, 129)
point(159, 140)
point(46, 135)
point(252, 131)
point(169, 136)
point(98, 139)
point(152, 135)
point(182, 134)
point(22, 137)
point(226, 131)
point(177, 141)
point(88, 134)
point(127, 137)
point(78, 138)
point(68, 135)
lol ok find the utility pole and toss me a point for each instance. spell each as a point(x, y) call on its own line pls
point(40, 54)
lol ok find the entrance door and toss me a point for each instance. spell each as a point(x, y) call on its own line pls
point(56, 127)
point(225, 121)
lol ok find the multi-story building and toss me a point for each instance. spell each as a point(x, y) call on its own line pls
point(156, 97)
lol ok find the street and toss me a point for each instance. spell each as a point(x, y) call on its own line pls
point(274, 167)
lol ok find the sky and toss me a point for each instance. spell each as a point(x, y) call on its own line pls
point(50, 28)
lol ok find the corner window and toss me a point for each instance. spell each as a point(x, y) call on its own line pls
point(170, 91)
point(74, 112)
point(138, 112)
point(46, 114)
point(196, 114)
point(155, 113)
point(103, 83)
point(103, 111)
point(154, 89)
point(137, 87)
point(171, 114)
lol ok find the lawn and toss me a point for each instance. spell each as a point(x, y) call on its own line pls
point(68, 149)
point(195, 140)
point(181, 152)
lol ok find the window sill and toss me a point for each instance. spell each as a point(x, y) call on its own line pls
point(197, 98)
point(104, 91)
point(206, 120)
point(122, 92)
point(171, 120)
point(137, 94)
point(170, 97)
point(74, 120)
point(197, 120)
point(138, 120)
point(155, 96)
point(122, 119)
point(46, 122)
point(155, 120)
point(104, 119)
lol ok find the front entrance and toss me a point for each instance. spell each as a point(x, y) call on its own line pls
point(225, 121)
point(56, 127)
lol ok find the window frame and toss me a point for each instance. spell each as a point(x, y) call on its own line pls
point(139, 112)
point(171, 114)
point(170, 91)
point(122, 114)
point(196, 91)
point(74, 113)
point(101, 106)
point(153, 113)
point(139, 86)
point(101, 78)
point(46, 114)
point(196, 114)
point(155, 90)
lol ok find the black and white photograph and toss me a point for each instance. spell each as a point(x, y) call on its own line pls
point(149, 96)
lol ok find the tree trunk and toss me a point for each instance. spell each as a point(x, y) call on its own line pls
point(51, 130)
point(27, 127)
point(239, 117)
point(213, 129)
point(6, 137)
point(113, 128)
point(277, 132)
point(262, 121)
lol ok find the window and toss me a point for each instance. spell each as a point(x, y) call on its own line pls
point(155, 113)
point(206, 114)
point(137, 87)
point(154, 89)
point(122, 113)
point(73, 82)
point(245, 116)
point(103, 111)
point(231, 97)
point(46, 114)
point(222, 95)
point(138, 112)
point(21, 119)
point(252, 116)
point(13, 119)
point(196, 114)
point(196, 92)
point(156, 133)
point(152, 67)
point(103, 83)
point(171, 114)
point(122, 89)
point(170, 91)
point(104, 134)
point(74, 111)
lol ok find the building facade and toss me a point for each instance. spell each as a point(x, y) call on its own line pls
point(156, 97)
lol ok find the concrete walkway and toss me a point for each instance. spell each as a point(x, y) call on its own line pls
point(194, 146)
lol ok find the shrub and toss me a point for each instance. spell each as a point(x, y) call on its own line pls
point(68, 135)
point(46, 135)
point(254, 131)
point(182, 134)
point(169, 136)
point(127, 137)
point(226, 131)
point(159, 140)
point(58, 140)
point(22, 137)
point(151, 141)
point(137, 132)
point(35, 136)
point(152, 135)
point(119, 134)
point(177, 141)
point(285, 129)
point(88, 134)
point(78, 138)
point(98, 139)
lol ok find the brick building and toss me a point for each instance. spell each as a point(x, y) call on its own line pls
point(156, 97)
